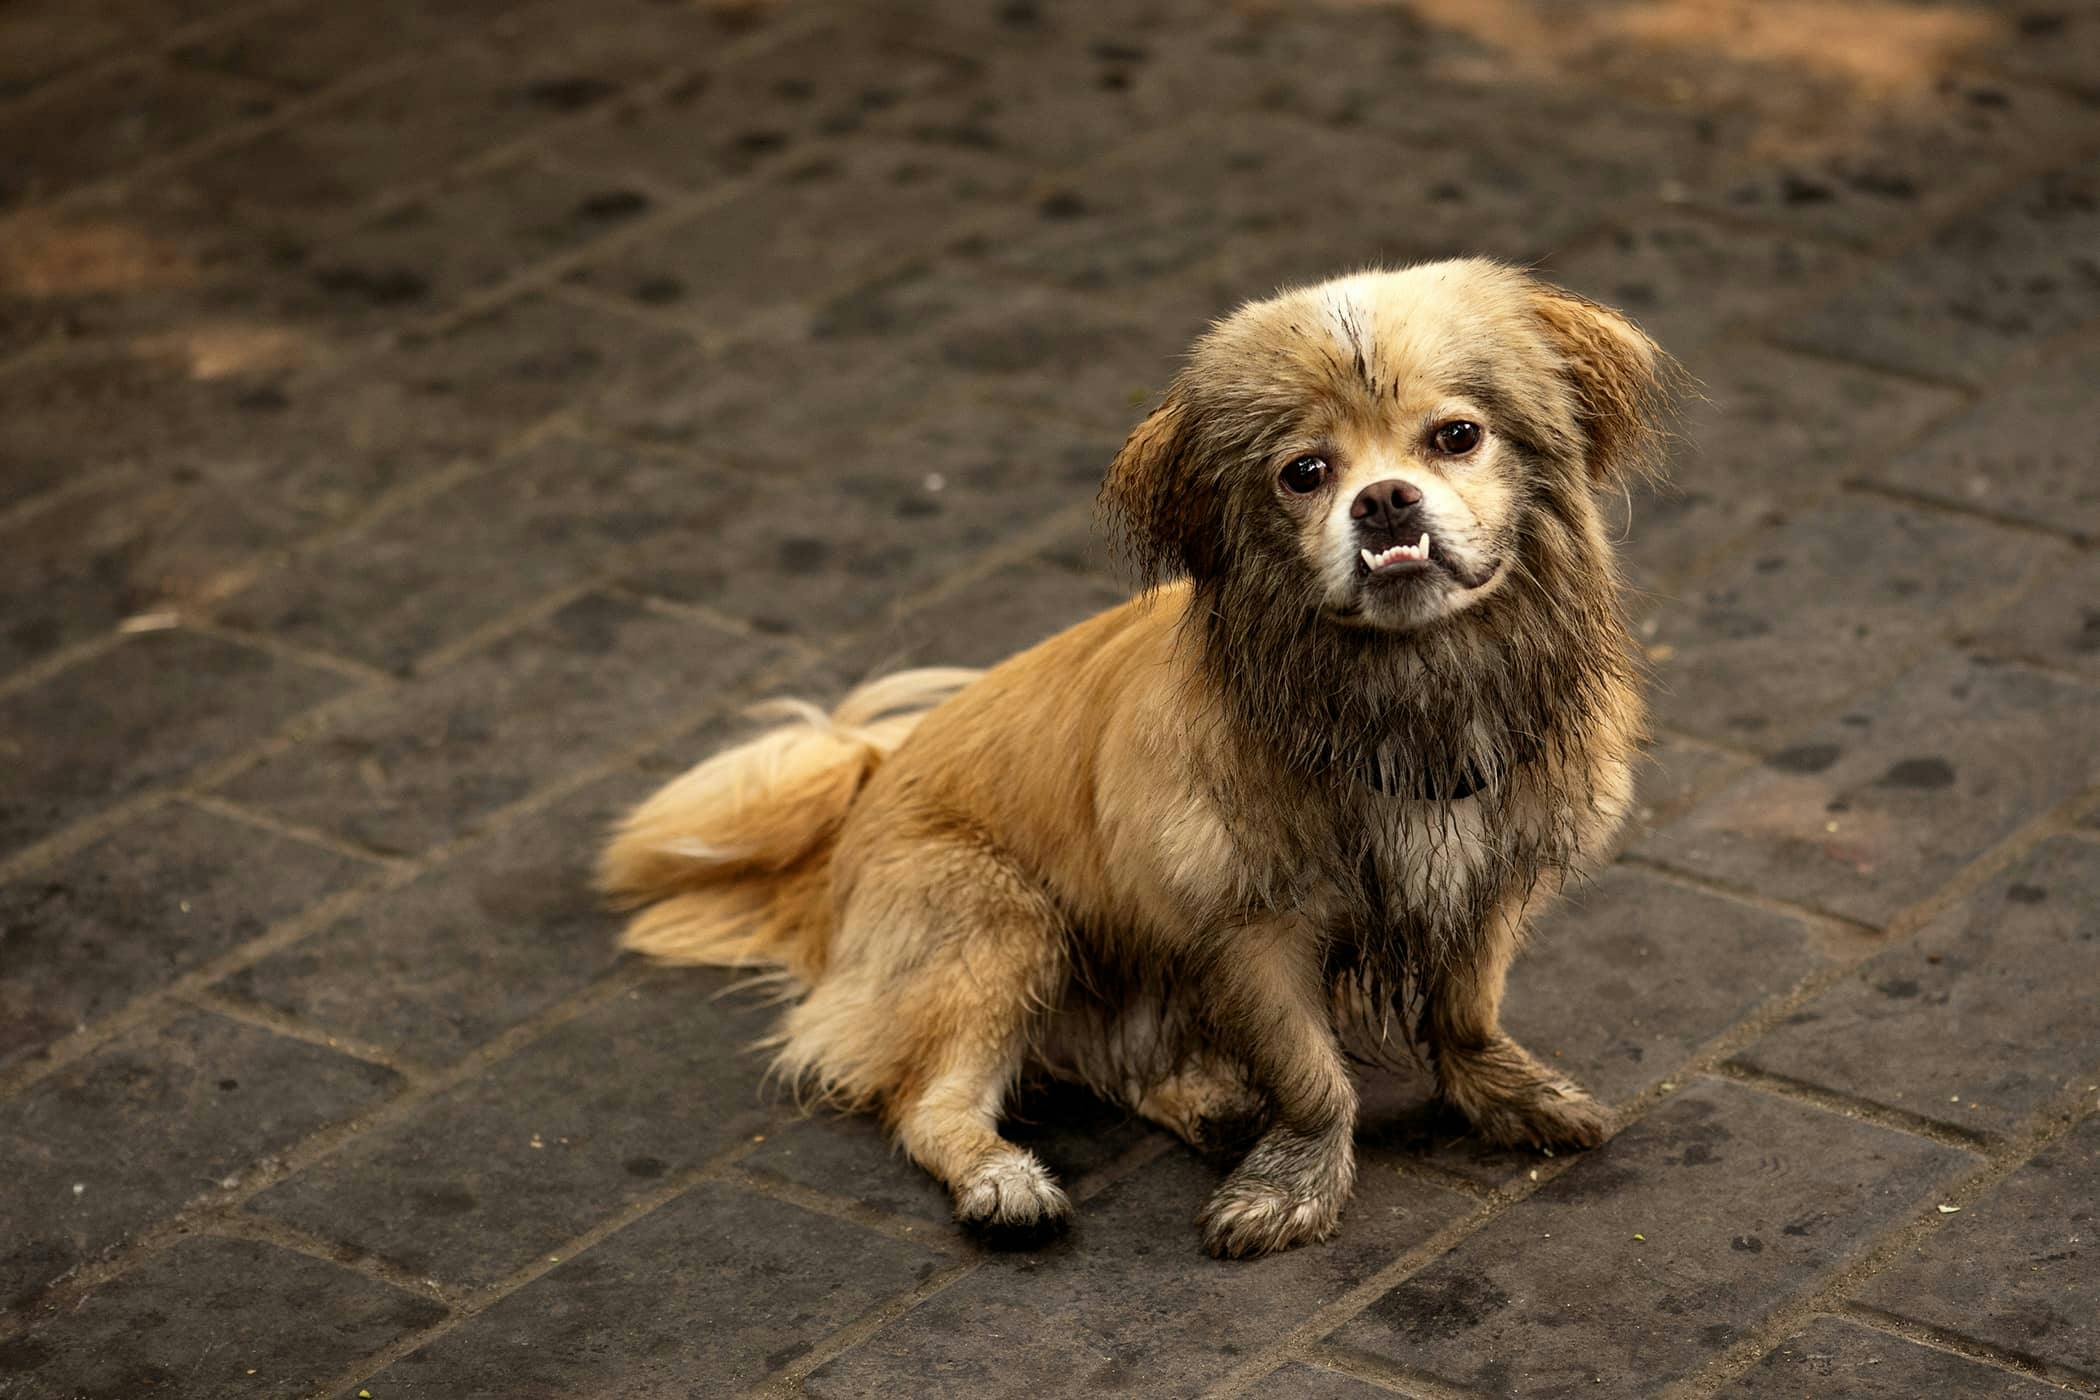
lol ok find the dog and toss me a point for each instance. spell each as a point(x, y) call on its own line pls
point(1292, 805)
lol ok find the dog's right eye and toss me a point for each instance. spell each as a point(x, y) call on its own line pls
point(1305, 475)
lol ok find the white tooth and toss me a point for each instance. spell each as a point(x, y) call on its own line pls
point(1424, 545)
point(1370, 559)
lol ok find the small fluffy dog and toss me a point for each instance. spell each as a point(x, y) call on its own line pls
point(1292, 804)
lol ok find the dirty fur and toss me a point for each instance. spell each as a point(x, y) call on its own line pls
point(1284, 808)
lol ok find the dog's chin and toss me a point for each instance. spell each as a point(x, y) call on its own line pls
point(1411, 596)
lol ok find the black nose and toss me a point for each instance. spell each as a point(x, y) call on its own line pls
point(1383, 505)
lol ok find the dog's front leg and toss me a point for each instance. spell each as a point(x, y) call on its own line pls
point(1512, 1099)
point(1270, 1011)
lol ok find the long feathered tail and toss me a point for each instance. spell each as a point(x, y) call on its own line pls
point(732, 860)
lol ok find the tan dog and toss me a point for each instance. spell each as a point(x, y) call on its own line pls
point(1193, 851)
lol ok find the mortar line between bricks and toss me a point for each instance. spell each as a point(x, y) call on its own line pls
point(786, 1384)
point(497, 628)
point(1839, 924)
point(1954, 1343)
point(1965, 881)
point(292, 831)
point(77, 484)
point(327, 1141)
point(1719, 748)
point(1375, 1370)
point(2045, 1128)
point(699, 612)
point(469, 1303)
point(1975, 1141)
point(392, 871)
point(1314, 1330)
point(473, 1302)
point(1958, 510)
point(251, 1013)
point(937, 1236)
point(1705, 1060)
point(68, 1050)
point(372, 676)
point(65, 658)
point(158, 49)
point(260, 1229)
point(295, 106)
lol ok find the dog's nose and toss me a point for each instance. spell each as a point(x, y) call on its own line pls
point(1384, 504)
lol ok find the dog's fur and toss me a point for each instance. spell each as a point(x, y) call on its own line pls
point(1197, 850)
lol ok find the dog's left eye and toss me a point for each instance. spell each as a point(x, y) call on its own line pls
point(1304, 475)
point(1456, 439)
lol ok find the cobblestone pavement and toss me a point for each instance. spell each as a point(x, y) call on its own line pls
point(424, 423)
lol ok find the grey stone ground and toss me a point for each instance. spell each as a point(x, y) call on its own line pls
point(423, 423)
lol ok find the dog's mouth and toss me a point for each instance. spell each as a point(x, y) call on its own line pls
point(1400, 561)
point(1397, 559)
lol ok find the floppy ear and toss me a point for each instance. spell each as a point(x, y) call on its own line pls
point(1159, 511)
point(1626, 387)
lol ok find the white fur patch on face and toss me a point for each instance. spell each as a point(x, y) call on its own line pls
point(1451, 543)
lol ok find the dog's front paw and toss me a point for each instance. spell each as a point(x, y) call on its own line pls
point(1249, 1216)
point(1551, 1113)
point(1013, 1200)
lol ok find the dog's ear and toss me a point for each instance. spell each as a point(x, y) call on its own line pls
point(1626, 387)
point(1161, 514)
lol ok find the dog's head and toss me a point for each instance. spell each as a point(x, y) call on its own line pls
point(1394, 447)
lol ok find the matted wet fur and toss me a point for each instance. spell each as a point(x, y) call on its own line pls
point(1295, 801)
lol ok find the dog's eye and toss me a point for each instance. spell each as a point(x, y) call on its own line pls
point(1456, 439)
point(1305, 475)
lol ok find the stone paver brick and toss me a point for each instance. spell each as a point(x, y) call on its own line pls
point(466, 235)
point(128, 545)
point(315, 43)
point(126, 1137)
point(496, 1172)
point(787, 104)
point(409, 127)
point(1980, 292)
point(546, 517)
point(1874, 811)
point(918, 506)
point(111, 726)
point(1673, 779)
point(732, 261)
point(983, 622)
point(40, 39)
point(1877, 164)
point(2026, 451)
point(1655, 1252)
point(1627, 977)
point(2056, 623)
point(1130, 1302)
point(2016, 1269)
point(703, 1297)
point(436, 968)
point(326, 443)
point(132, 912)
point(418, 765)
point(1834, 1357)
point(1687, 280)
point(209, 1318)
point(1924, 1027)
point(69, 412)
point(1766, 435)
point(1299, 1381)
point(1825, 604)
point(113, 120)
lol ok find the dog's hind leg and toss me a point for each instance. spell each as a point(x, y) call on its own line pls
point(1511, 1098)
point(1269, 1010)
point(943, 971)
